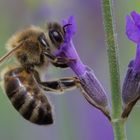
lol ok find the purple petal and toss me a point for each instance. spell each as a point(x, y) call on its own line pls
point(136, 18)
point(132, 31)
point(130, 90)
point(71, 29)
point(77, 66)
point(137, 59)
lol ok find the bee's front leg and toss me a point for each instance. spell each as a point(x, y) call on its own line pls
point(57, 61)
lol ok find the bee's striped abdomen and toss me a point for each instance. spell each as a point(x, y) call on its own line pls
point(27, 97)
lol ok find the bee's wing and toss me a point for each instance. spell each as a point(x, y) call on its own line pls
point(10, 53)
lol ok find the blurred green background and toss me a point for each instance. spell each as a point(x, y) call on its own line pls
point(75, 119)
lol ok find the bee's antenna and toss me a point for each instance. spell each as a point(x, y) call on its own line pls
point(6, 56)
point(65, 26)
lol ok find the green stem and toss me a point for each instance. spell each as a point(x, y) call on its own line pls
point(119, 130)
point(112, 48)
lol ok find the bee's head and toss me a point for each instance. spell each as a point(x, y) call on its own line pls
point(55, 33)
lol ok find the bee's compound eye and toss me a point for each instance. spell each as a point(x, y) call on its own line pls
point(55, 36)
point(43, 41)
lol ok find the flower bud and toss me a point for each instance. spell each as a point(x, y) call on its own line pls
point(131, 89)
point(94, 92)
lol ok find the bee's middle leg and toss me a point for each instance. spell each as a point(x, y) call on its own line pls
point(61, 85)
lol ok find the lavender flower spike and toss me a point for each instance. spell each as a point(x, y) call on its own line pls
point(93, 90)
point(131, 85)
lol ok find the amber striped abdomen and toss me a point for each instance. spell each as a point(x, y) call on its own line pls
point(27, 97)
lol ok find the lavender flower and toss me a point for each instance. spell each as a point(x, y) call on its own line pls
point(131, 85)
point(92, 89)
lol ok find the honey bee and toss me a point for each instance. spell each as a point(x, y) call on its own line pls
point(33, 49)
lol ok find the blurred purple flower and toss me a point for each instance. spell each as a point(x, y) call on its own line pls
point(131, 85)
point(92, 89)
point(133, 33)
